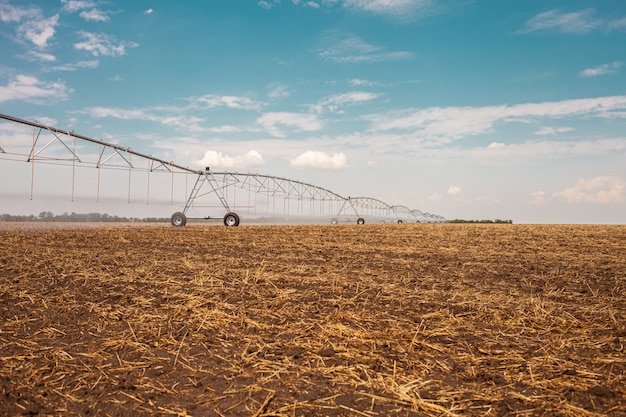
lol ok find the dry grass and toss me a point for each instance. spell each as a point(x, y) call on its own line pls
point(374, 320)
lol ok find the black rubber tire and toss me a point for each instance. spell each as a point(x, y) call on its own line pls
point(231, 219)
point(334, 221)
point(179, 219)
point(400, 222)
point(360, 220)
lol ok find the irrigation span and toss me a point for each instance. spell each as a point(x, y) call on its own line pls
point(228, 197)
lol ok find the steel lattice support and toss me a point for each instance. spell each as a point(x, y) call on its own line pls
point(255, 194)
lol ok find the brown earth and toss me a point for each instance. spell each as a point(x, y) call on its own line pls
point(373, 320)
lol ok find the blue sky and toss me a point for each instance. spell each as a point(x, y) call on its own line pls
point(464, 108)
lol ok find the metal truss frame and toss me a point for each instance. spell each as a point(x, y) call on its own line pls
point(224, 185)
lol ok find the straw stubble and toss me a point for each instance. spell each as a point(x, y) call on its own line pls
point(313, 320)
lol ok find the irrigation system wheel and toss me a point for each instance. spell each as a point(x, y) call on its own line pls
point(400, 221)
point(360, 220)
point(231, 219)
point(179, 219)
point(334, 221)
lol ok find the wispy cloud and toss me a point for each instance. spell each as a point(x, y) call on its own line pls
point(211, 101)
point(598, 190)
point(38, 31)
point(102, 44)
point(87, 8)
point(11, 13)
point(72, 6)
point(121, 113)
point(31, 89)
point(579, 22)
point(320, 161)
point(400, 9)
point(604, 69)
point(76, 66)
point(265, 4)
point(359, 82)
point(545, 148)
point(39, 56)
point(450, 123)
point(617, 24)
point(95, 15)
point(352, 49)
point(277, 91)
point(225, 129)
point(182, 117)
point(549, 130)
point(337, 102)
point(538, 198)
point(275, 123)
point(454, 190)
point(165, 117)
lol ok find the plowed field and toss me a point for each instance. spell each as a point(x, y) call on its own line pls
point(373, 320)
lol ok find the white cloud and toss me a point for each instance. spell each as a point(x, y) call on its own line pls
point(39, 56)
point(352, 49)
point(450, 123)
point(178, 118)
point(76, 65)
point(539, 197)
point(95, 15)
point(403, 9)
point(210, 101)
point(39, 31)
point(321, 161)
point(576, 22)
point(149, 11)
point(357, 82)
point(118, 113)
point(598, 190)
point(548, 130)
point(102, 44)
point(548, 149)
point(277, 91)
point(182, 122)
point(271, 122)
point(336, 102)
point(28, 88)
point(185, 122)
point(496, 145)
point(10, 13)
point(224, 129)
point(215, 159)
point(72, 6)
point(617, 24)
point(605, 69)
point(454, 190)
point(265, 4)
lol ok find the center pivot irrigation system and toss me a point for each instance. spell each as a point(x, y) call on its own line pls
point(255, 196)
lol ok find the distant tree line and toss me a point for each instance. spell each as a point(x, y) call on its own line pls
point(47, 216)
point(496, 221)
